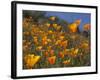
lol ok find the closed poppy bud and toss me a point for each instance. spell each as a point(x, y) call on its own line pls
point(46, 54)
point(55, 25)
point(26, 33)
point(52, 18)
point(49, 40)
point(51, 52)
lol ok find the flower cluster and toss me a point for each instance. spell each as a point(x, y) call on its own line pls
point(48, 45)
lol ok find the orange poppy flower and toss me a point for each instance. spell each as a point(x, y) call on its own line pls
point(52, 60)
point(86, 27)
point(78, 21)
point(44, 40)
point(30, 60)
point(64, 43)
point(73, 27)
point(61, 55)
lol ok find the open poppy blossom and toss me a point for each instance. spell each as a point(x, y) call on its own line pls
point(30, 60)
point(52, 60)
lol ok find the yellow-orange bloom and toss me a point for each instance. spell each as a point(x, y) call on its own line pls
point(49, 48)
point(62, 37)
point(67, 61)
point(49, 40)
point(66, 51)
point(55, 25)
point(64, 43)
point(73, 27)
point(30, 60)
point(39, 48)
point(48, 24)
point(50, 32)
point(44, 38)
point(52, 60)
point(35, 40)
point(58, 28)
point(57, 42)
point(44, 42)
point(85, 45)
point(74, 52)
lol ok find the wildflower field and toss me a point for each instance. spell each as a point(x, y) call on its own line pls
point(52, 42)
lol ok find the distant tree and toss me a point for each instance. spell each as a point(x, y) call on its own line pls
point(36, 15)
